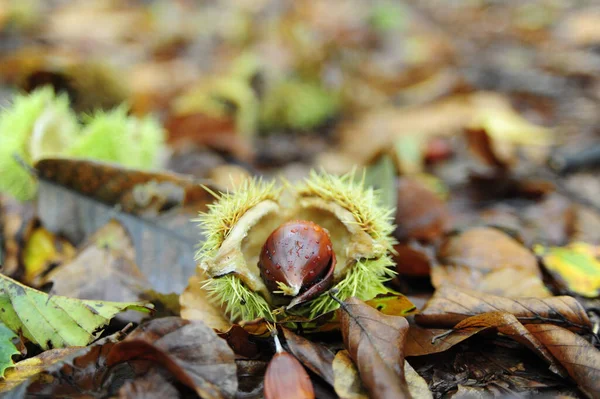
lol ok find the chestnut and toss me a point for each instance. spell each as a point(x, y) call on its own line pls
point(297, 260)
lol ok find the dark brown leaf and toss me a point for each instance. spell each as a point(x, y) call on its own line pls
point(375, 342)
point(420, 213)
point(151, 386)
point(16, 221)
point(449, 306)
point(580, 358)
point(421, 341)
point(191, 352)
point(316, 357)
point(240, 341)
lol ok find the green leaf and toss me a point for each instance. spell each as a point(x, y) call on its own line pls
point(56, 321)
point(576, 266)
point(7, 348)
point(382, 177)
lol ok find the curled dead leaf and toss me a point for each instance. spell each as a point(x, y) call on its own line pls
point(450, 305)
point(316, 357)
point(375, 343)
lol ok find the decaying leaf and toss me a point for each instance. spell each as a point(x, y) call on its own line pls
point(77, 197)
point(151, 386)
point(580, 358)
point(43, 250)
point(240, 341)
point(375, 343)
point(576, 265)
point(7, 348)
point(56, 321)
point(347, 382)
point(29, 368)
point(392, 304)
point(450, 305)
point(316, 357)
point(103, 269)
point(189, 352)
point(423, 342)
point(479, 258)
point(420, 213)
point(16, 218)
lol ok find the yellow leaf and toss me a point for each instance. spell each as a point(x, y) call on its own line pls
point(576, 265)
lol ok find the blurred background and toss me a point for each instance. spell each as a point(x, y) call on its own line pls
point(282, 86)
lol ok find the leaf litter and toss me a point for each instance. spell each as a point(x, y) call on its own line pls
point(479, 136)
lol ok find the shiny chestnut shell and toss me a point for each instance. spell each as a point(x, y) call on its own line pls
point(300, 255)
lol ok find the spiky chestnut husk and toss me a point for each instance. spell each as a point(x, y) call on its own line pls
point(238, 224)
point(114, 136)
point(34, 126)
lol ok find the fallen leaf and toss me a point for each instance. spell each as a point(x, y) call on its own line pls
point(472, 258)
point(195, 305)
point(151, 386)
point(420, 213)
point(347, 383)
point(580, 358)
point(191, 353)
point(316, 357)
point(43, 250)
point(382, 177)
point(104, 268)
point(190, 350)
point(424, 342)
point(413, 259)
point(56, 321)
point(450, 305)
point(392, 304)
point(28, 368)
point(16, 219)
point(417, 386)
point(375, 343)
point(7, 348)
point(240, 341)
point(77, 197)
point(576, 266)
point(251, 376)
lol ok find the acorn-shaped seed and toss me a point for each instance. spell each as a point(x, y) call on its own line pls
point(297, 260)
point(286, 378)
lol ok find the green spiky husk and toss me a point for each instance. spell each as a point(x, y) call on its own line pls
point(228, 208)
point(365, 278)
point(16, 126)
point(113, 136)
point(239, 302)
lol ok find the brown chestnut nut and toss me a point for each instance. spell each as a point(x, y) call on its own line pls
point(286, 377)
point(297, 260)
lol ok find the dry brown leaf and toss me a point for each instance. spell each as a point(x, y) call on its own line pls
point(420, 213)
point(104, 269)
point(316, 357)
point(347, 383)
point(450, 305)
point(422, 341)
point(151, 386)
point(477, 259)
point(580, 358)
point(417, 386)
point(240, 341)
point(16, 219)
point(375, 342)
point(195, 305)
